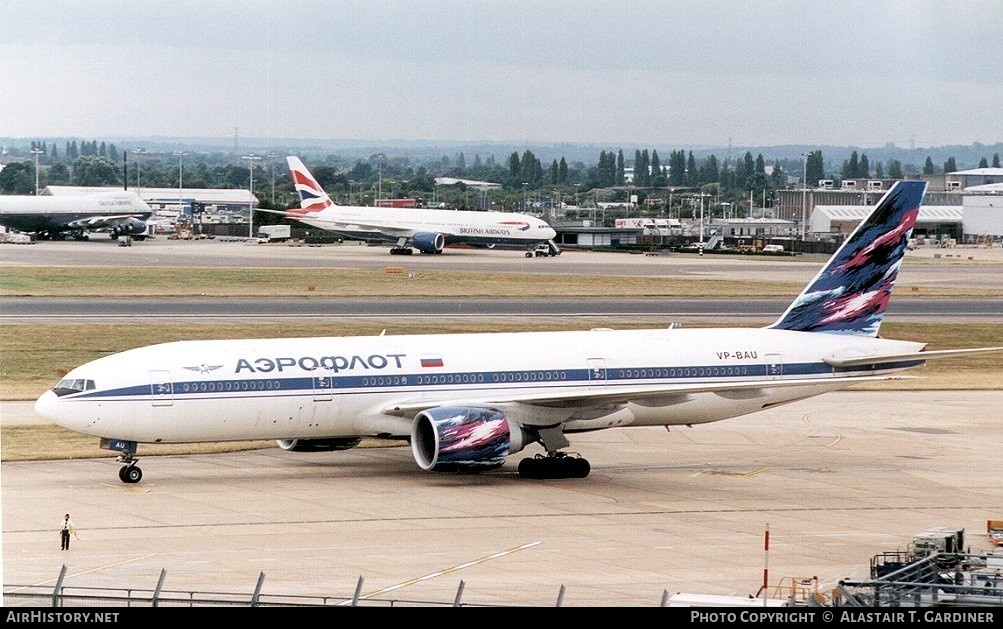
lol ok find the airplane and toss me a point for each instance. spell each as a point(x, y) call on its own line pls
point(427, 230)
point(120, 212)
point(466, 402)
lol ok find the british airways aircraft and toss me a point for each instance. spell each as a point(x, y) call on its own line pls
point(427, 230)
point(121, 212)
point(466, 402)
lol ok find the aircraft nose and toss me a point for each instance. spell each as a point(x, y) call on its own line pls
point(48, 406)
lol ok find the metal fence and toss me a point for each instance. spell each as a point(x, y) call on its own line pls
point(62, 595)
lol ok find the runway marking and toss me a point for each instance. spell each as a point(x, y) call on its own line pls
point(95, 569)
point(439, 573)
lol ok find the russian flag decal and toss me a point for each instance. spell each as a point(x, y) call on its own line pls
point(431, 361)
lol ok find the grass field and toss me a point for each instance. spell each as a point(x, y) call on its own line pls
point(338, 282)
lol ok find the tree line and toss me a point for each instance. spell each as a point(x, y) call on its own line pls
point(613, 176)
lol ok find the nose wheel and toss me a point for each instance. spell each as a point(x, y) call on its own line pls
point(130, 474)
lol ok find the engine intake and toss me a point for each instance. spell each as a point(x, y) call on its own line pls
point(464, 439)
point(429, 242)
point(133, 226)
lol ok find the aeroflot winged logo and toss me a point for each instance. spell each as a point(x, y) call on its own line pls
point(204, 368)
point(312, 196)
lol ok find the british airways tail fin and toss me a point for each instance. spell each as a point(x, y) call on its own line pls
point(850, 294)
point(312, 196)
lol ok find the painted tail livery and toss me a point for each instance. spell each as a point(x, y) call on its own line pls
point(312, 196)
point(850, 294)
point(468, 402)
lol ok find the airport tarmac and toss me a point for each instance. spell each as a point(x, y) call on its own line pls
point(977, 268)
point(834, 480)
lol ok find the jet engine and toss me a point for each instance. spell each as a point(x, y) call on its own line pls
point(132, 227)
point(464, 439)
point(319, 445)
point(429, 242)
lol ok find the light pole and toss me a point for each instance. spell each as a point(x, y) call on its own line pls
point(250, 188)
point(379, 190)
point(180, 155)
point(37, 152)
point(524, 184)
point(271, 164)
point(804, 198)
point(139, 167)
point(700, 247)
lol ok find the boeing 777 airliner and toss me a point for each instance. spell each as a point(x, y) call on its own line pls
point(427, 230)
point(466, 402)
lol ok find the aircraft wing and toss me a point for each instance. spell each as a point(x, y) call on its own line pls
point(851, 361)
point(604, 396)
point(104, 222)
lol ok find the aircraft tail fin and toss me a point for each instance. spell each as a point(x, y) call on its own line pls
point(850, 294)
point(312, 196)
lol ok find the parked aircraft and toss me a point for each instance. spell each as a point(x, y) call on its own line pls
point(120, 212)
point(466, 402)
point(427, 230)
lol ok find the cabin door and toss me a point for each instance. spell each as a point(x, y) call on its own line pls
point(774, 367)
point(161, 388)
point(597, 372)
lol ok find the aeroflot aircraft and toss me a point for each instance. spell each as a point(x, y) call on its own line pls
point(426, 230)
point(468, 401)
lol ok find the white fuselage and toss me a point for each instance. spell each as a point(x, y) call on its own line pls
point(45, 213)
point(225, 390)
point(457, 226)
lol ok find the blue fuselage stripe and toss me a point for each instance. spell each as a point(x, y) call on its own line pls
point(325, 381)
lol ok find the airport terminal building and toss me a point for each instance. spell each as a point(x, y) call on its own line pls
point(216, 205)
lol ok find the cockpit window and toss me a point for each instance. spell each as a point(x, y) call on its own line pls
point(72, 385)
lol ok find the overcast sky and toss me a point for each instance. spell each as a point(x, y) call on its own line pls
point(658, 72)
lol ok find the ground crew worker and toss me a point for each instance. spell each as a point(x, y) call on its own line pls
point(66, 529)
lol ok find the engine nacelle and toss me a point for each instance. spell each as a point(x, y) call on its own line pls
point(132, 227)
point(429, 242)
point(464, 439)
point(319, 445)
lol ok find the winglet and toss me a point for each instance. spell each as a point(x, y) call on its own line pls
point(850, 295)
point(312, 196)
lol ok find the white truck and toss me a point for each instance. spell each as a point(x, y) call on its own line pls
point(274, 233)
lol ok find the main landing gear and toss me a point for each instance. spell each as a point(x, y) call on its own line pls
point(401, 248)
point(554, 464)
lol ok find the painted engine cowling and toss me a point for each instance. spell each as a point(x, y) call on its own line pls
point(319, 445)
point(129, 228)
point(429, 242)
point(463, 439)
